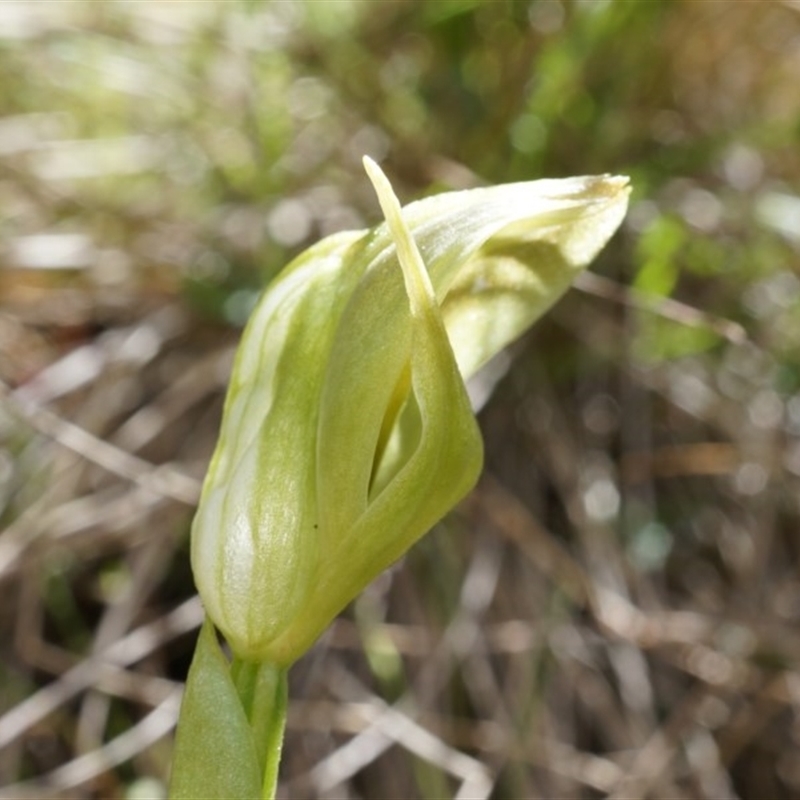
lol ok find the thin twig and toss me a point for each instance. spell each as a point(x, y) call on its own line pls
point(162, 479)
point(667, 307)
point(154, 726)
point(136, 645)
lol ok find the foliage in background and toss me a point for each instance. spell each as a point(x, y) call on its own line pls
point(631, 556)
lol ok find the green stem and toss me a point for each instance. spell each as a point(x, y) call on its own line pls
point(263, 690)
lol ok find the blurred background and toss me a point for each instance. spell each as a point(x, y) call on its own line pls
point(614, 610)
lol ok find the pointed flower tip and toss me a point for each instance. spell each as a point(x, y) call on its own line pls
point(418, 286)
point(387, 199)
point(619, 182)
point(601, 188)
point(375, 174)
point(614, 185)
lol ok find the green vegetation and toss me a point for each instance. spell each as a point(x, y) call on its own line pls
point(613, 611)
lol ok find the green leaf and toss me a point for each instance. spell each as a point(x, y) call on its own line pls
point(215, 756)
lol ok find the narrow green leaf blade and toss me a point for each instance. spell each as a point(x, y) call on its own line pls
point(215, 756)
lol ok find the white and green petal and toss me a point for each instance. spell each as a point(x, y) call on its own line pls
point(347, 432)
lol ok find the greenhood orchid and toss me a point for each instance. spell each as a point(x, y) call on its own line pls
point(347, 433)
